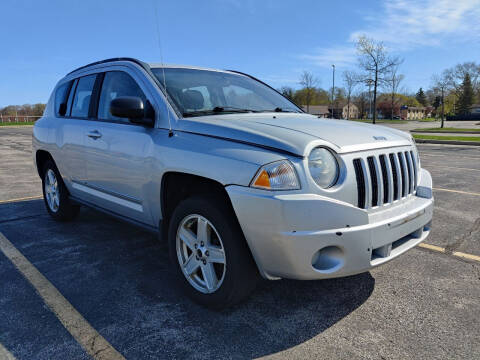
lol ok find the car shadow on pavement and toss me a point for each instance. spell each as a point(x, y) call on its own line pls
point(119, 278)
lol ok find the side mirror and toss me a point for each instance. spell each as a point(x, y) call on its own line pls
point(132, 107)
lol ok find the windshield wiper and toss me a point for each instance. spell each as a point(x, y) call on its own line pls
point(217, 110)
point(279, 109)
point(231, 109)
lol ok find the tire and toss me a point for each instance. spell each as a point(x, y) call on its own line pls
point(55, 194)
point(236, 278)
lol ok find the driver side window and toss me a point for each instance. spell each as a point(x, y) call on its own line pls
point(116, 84)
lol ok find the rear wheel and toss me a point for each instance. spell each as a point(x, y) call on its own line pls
point(55, 194)
point(209, 253)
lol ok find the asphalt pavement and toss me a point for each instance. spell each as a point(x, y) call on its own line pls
point(423, 305)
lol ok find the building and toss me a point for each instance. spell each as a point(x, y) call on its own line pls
point(318, 110)
point(412, 112)
point(340, 111)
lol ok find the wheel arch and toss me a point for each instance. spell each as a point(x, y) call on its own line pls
point(177, 186)
point(41, 158)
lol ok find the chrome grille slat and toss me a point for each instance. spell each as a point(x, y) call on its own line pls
point(414, 164)
point(373, 181)
point(385, 178)
point(403, 174)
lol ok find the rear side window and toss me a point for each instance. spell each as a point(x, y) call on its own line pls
point(61, 96)
point(83, 95)
point(116, 84)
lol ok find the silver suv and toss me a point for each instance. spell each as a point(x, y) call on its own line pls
point(240, 181)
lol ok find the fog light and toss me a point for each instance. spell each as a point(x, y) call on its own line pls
point(329, 259)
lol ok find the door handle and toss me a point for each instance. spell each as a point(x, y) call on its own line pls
point(94, 134)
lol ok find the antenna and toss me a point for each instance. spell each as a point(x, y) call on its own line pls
point(170, 131)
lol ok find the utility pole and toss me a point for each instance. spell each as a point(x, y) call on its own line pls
point(333, 90)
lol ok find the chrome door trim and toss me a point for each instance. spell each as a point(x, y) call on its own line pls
point(120, 199)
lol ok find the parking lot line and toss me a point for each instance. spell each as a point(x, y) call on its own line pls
point(93, 343)
point(455, 253)
point(21, 199)
point(466, 256)
point(432, 247)
point(5, 354)
point(457, 191)
point(450, 167)
point(450, 155)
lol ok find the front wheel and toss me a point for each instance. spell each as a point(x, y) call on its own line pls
point(209, 253)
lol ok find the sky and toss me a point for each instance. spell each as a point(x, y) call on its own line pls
point(275, 41)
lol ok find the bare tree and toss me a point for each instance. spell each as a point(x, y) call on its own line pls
point(373, 58)
point(393, 80)
point(308, 82)
point(350, 79)
point(441, 84)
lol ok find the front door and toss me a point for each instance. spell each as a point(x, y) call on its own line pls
point(118, 154)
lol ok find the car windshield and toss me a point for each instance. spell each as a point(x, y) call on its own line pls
point(206, 92)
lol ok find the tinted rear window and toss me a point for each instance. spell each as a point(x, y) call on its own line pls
point(61, 96)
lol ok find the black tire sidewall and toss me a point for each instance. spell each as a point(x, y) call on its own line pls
point(241, 273)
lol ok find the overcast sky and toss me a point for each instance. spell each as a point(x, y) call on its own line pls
point(273, 40)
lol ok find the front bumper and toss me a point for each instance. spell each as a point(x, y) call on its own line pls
point(308, 236)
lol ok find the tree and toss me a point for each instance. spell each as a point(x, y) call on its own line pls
point(421, 98)
point(308, 82)
point(362, 102)
point(393, 83)
point(436, 103)
point(466, 97)
point(350, 79)
point(288, 92)
point(373, 58)
point(441, 84)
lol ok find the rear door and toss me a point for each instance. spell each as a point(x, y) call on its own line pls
point(72, 107)
point(118, 153)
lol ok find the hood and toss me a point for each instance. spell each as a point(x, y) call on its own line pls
point(292, 133)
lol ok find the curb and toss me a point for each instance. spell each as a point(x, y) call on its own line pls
point(447, 142)
point(15, 126)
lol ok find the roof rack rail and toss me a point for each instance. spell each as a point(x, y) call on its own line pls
point(138, 62)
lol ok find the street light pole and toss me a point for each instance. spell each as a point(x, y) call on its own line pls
point(333, 90)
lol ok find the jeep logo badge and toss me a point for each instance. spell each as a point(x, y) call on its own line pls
point(380, 138)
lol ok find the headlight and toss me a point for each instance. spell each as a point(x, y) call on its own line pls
point(279, 175)
point(323, 167)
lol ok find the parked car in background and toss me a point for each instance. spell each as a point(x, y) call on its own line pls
point(238, 180)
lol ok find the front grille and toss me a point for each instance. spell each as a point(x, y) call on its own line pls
point(357, 164)
point(385, 178)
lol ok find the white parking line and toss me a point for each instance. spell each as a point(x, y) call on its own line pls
point(5, 354)
point(93, 343)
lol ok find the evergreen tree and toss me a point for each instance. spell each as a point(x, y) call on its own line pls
point(465, 100)
point(421, 98)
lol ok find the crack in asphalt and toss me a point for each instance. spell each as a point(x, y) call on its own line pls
point(472, 234)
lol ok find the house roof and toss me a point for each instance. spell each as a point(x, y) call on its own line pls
point(316, 109)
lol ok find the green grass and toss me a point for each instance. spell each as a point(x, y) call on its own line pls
point(456, 138)
point(17, 123)
point(448, 129)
